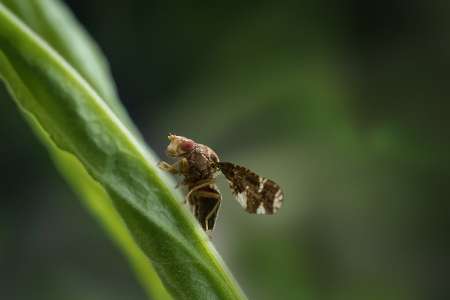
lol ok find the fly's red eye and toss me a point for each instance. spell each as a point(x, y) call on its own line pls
point(187, 145)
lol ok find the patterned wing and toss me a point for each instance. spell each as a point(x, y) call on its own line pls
point(256, 194)
point(205, 202)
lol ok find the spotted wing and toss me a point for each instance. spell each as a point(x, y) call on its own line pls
point(256, 194)
point(205, 203)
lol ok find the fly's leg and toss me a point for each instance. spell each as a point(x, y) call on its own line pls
point(183, 166)
point(200, 185)
point(168, 167)
point(179, 167)
point(213, 212)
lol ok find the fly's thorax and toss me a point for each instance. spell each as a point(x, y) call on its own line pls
point(202, 164)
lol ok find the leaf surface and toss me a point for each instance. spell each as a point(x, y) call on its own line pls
point(97, 149)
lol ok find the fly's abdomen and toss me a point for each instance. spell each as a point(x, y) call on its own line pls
point(204, 201)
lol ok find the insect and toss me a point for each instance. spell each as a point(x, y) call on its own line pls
point(200, 166)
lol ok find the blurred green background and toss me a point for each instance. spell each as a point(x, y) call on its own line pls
point(343, 103)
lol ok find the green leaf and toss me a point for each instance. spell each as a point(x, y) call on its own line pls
point(90, 138)
point(56, 25)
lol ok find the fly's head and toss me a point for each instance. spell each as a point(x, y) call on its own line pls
point(179, 146)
